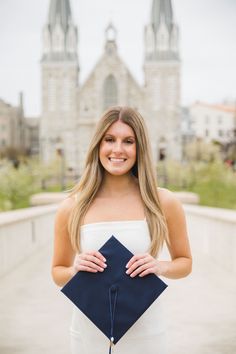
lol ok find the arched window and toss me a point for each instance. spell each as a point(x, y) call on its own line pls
point(110, 92)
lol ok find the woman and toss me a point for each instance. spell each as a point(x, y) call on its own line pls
point(117, 194)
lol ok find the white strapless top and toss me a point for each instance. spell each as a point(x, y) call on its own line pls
point(134, 235)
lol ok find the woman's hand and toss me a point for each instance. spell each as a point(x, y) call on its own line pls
point(92, 261)
point(144, 264)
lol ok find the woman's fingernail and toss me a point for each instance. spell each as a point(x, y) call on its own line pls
point(126, 265)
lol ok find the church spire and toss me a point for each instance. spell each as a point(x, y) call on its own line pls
point(60, 12)
point(161, 34)
point(161, 11)
point(59, 34)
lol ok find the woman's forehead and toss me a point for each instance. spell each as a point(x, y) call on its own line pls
point(120, 127)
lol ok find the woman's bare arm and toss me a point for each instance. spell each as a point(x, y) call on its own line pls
point(63, 254)
point(179, 248)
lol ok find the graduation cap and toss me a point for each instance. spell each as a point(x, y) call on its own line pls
point(111, 299)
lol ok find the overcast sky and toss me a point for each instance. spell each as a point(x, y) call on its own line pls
point(208, 44)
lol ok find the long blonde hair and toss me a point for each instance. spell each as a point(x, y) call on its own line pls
point(92, 177)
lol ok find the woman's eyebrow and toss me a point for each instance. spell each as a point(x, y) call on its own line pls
point(126, 137)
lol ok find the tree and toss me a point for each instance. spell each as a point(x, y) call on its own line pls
point(199, 150)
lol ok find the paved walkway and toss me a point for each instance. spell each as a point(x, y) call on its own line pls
point(35, 316)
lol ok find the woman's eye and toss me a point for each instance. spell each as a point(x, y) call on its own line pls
point(110, 140)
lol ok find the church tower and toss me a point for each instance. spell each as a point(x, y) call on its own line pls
point(162, 81)
point(59, 75)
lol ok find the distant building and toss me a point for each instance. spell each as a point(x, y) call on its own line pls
point(16, 131)
point(31, 135)
point(70, 110)
point(11, 125)
point(213, 122)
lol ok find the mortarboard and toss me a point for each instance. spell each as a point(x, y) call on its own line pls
point(111, 299)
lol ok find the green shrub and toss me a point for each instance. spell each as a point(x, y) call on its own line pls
point(31, 176)
point(214, 182)
point(16, 186)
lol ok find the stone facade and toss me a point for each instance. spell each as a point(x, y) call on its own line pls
point(17, 132)
point(70, 112)
point(10, 121)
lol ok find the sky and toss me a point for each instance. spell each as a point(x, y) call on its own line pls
point(207, 45)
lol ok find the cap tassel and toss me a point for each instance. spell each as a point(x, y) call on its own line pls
point(111, 345)
point(112, 289)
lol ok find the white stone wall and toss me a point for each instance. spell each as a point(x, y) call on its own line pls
point(22, 233)
point(212, 231)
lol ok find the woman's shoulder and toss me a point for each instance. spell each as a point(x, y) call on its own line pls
point(165, 194)
point(169, 202)
point(65, 207)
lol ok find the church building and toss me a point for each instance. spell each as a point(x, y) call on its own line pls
point(70, 110)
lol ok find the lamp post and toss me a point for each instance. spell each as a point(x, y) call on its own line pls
point(61, 154)
point(162, 159)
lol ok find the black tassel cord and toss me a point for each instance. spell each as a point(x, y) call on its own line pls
point(112, 289)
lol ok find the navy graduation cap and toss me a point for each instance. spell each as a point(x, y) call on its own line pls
point(111, 299)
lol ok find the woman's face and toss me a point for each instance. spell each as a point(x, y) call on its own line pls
point(117, 150)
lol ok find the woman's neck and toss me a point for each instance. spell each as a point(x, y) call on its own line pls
point(117, 186)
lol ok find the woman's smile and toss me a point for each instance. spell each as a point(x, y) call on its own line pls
point(116, 160)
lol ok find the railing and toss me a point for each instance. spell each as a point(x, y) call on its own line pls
point(212, 231)
point(22, 233)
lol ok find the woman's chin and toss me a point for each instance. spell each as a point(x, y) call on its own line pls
point(117, 172)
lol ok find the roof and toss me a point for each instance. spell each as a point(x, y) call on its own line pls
point(219, 107)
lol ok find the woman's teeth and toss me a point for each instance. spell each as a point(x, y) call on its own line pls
point(116, 160)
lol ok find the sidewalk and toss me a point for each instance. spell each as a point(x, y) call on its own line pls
point(35, 316)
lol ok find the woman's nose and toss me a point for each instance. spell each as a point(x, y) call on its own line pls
point(117, 147)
